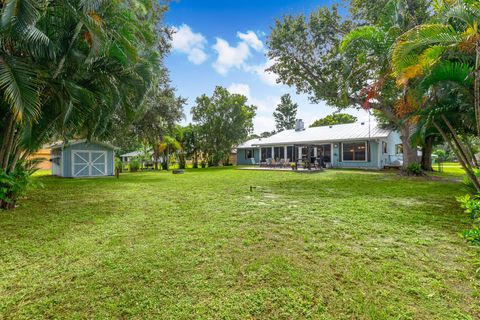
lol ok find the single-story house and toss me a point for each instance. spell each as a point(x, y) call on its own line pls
point(355, 145)
point(128, 156)
point(82, 158)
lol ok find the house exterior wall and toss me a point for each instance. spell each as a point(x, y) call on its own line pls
point(373, 163)
point(44, 156)
point(66, 161)
point(241, 157)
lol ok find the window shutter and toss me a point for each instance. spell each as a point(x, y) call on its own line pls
point(340, 149)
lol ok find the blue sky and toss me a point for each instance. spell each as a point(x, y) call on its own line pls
point(222, 42)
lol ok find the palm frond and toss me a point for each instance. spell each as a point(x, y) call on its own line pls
point(20, 88)
point(463, 12)
point(88, 6)
point(367, 36)
point(420, 38)
point(447, 71)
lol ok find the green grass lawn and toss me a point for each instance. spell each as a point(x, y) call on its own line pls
point(331, 245)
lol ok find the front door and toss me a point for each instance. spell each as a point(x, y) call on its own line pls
point(89, 163)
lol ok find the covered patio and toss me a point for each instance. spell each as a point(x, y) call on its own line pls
point(297, 157)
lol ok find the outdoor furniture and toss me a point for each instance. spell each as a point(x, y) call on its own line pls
point(148, 166)
point(281, 163)
point(269, 162)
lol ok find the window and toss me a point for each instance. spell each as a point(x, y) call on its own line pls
point(249, 154)
point(279, 152)
point(266, 153)
point(354, 151)
point(324, 152)
point(385, 147)
point(290, 154)
point(399, 148)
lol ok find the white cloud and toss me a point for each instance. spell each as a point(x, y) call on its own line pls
point(251, 39)
point(229, 57)
point(186, 41)
point(266, 77)
point(240, 88)
point(263, 121)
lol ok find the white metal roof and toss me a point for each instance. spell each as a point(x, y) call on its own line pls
point(250, 143)
point(339, 132)
point(60, 144)
point(132, 154)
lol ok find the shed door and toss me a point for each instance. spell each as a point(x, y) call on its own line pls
point(89, 163)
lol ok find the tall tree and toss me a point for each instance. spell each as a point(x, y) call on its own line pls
point(439, 61)
point(285, 114)
point(66, 67)
point(335, 118)
point(307, 54)
point(420, 48)
point(224, 120)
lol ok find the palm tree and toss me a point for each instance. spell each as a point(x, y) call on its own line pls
point(370, 48)
point(169, 146)
point(66, 67)
point(454, 36)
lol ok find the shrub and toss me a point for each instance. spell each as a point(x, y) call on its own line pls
point(415, 169)
point(134, 165)
point(441, 154)
point(118, 165)
point(164, 165)
point(471, 205)
point(203, 164)
point(14, 185)
point(468, 186)
point(182, 162)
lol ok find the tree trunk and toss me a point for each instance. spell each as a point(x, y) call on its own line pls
point(427, 154)
point(410, 155)
point(9, 129)
point(469, 147)
point(477, 87)
point(9, 148)
point(466, 155)
point(471, 175)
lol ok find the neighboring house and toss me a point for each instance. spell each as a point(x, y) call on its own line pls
point(232, 157)
point(43, 156)
point(81, 158)
point(355, 145)
point(127, 157)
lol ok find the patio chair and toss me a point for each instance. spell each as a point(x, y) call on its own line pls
point(269, 162)
point(281, 163)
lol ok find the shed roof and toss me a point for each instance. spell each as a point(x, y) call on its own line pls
point(61, 144)
point(132, 154)
point(340, 132)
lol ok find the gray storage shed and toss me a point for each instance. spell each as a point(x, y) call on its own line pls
point(82, 158)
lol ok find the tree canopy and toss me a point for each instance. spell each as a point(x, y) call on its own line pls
point(224, 120)
point(345, 61)
point(68, 67)
point(335, 118)
point(285, 114)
